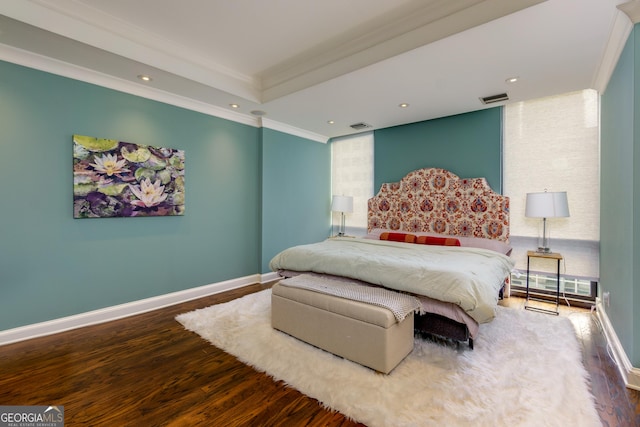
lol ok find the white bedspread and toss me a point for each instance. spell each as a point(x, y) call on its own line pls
point(468, 277)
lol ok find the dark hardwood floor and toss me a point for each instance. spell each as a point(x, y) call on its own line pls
point(147, 370)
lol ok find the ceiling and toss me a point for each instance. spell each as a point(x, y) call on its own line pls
point(295, 65)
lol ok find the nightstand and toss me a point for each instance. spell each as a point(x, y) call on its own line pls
point(547, 255)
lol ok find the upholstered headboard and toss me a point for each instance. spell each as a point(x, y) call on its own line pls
point(438, 201)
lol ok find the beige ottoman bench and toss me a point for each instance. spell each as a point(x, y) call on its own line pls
point(364, 333)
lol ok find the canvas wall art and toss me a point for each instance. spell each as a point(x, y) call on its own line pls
point(113, 178)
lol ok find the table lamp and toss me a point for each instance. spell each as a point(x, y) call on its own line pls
point(546, 205)
point(342, 204)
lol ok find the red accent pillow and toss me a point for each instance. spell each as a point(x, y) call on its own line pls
point(440, 241)
point(398, 237)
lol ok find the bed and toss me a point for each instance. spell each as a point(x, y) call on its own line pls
point(433, 235)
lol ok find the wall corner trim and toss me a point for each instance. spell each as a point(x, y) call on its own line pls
point(107, 314)
point(629, 373)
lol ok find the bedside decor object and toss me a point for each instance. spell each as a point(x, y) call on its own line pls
point(342, 204)
point(546, 205)
point(113, 178)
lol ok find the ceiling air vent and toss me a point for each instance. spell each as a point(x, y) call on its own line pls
point(361, 125)
point(495, 98)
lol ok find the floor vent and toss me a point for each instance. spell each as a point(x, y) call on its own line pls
point(495, 98)
point(361, 125)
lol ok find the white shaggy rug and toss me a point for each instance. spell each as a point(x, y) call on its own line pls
point(525, 370)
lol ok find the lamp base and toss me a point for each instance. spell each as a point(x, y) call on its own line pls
point(544, 250)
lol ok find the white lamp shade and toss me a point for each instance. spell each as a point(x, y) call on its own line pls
point(342, 204)
point(547, 205)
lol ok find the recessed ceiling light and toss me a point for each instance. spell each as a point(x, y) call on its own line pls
point(512, 79)
point(403, 105)
point(144, 77)
point(330, 122)
point(258, 113)
point(234, 106)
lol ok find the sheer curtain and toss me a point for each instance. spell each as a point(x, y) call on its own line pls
point(352, 175)
point(553, 144)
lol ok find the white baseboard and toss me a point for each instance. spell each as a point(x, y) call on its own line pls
point(630, 374)
point(124, 310)
point(269, 277)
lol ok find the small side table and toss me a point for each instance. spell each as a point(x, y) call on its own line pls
point(548, 255)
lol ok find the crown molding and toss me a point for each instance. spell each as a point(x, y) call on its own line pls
point(77, 21)
point(408, 27)
point(53, 66)
point(631, 9)
point(64, 69)
point(620, 31)
point(292, 130)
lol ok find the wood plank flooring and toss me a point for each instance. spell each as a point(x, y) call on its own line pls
point(147, 370)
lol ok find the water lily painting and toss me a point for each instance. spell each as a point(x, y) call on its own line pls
point(113, 178)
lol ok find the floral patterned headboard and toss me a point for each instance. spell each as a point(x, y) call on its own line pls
point(438, 201)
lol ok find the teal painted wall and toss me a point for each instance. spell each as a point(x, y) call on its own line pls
point(296, 193)
point(469, 145)
point(620, 197)
point(52, 265)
